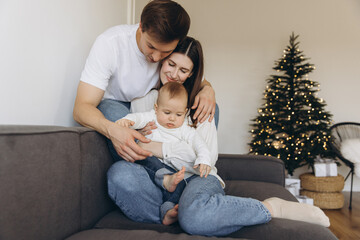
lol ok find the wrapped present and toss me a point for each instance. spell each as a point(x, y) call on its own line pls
point(305, 199)
point(325, 168)
point(293, 185)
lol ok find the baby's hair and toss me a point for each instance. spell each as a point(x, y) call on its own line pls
point(174, 89)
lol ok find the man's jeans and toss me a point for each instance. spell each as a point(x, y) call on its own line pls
point(156, 171)
point(203, 208)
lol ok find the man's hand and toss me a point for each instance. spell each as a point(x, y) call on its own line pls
point(205, 103)
point(125, 122)
point(147, 129)
point(204, 169)
point(86, 113)
point(123, 139)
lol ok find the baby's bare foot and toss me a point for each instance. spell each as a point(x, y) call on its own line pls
point(171, 216)
point(171, 181)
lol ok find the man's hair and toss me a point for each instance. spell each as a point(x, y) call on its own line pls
point(174, 90)
point(165, 21)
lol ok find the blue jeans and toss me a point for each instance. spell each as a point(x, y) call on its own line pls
point(156, 171)
point(204, 209)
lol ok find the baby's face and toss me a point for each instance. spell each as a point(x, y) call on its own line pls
point(170, 113)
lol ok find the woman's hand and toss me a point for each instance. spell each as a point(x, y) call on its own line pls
point(147, 129)
point(204, 169)
point(205, 103)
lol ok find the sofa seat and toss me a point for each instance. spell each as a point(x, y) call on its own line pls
point(106, 234)
point(275, 229)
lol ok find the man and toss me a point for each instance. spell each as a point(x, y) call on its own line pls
point(123, 65)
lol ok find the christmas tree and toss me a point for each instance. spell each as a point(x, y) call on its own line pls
point(292, 124)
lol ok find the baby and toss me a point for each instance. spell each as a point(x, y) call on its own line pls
point(170, 117)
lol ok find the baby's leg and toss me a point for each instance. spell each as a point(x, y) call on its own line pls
point(171, 216)
point(171, 181)
point(280, 208)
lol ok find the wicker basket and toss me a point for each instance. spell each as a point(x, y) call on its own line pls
point(325, 200)
point(322, 184)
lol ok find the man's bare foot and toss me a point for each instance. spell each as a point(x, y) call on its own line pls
point(171, 181)
point(171, 216)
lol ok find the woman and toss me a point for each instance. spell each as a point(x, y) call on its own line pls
point(204, 208)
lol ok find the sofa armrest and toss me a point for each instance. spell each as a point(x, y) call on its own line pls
point(52, 181)
point(251, 168)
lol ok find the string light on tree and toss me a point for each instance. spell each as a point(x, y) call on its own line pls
point(292, 124)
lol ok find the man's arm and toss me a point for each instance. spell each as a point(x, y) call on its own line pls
point(85, 113)
point(205, 102)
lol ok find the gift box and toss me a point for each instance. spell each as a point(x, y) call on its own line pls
point(305, 199)
point(325, 168)
point(293, 185)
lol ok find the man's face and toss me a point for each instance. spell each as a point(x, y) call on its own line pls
point(153, 51)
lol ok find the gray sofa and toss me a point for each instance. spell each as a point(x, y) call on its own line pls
point(53, 186)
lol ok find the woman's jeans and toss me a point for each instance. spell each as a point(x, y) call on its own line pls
point(203, 207)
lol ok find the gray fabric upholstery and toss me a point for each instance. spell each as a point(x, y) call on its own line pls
point(101, 234)
point(96, 160)
point(251, 168)
point(53, 186)
point(257, 190)
point(39, 183)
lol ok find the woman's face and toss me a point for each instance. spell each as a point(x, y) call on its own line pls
point(176, 68)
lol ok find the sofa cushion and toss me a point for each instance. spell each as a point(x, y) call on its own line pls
point(284, 229)
point(257, 190)
point(275, 229)
point(95, 161)
point(251, 168)
point(117, 220)
point(106, 234)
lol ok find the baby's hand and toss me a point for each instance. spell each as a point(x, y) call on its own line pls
point(204, 169)
point(125, 122)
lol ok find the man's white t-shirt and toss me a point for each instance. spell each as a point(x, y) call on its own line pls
point(117, 66)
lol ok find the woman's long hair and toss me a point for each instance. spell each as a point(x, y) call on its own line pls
point(192, 48)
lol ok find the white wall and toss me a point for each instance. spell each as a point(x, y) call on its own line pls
point(242, 39)
point(44, 45)
point(43, 48)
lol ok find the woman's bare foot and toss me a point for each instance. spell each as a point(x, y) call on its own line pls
point(171, 216)
point(171, 181)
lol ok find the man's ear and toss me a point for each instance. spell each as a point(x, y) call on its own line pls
point(141, 28)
